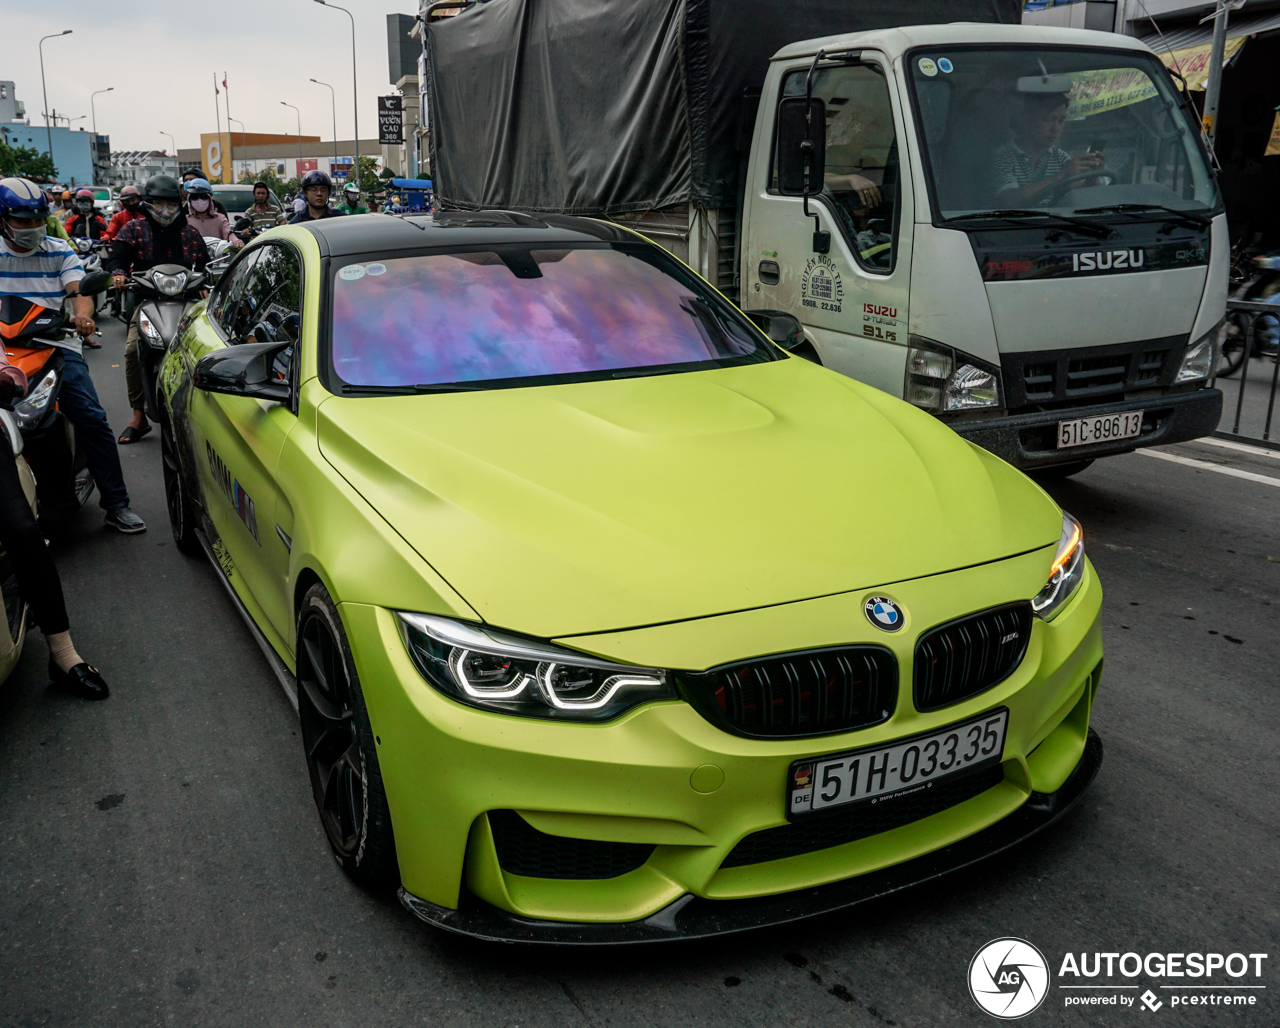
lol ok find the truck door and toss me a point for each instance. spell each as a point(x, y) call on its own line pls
point(852, 300)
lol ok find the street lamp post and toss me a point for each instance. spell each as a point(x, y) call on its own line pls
point(334, 104)
point(355, 95)
point(94, 110)
point(45, 89)
point(299, 114)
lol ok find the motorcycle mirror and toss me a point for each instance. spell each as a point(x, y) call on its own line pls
point(94, 283)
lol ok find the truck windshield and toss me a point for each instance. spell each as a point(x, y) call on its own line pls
point(516, 315)
point(1022, 134)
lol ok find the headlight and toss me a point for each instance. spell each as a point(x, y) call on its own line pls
point(32, 407)
point(171, 285)
point(1067, 571)
point(1202, 356)
point(510, 674)
point(942, 379)
point(148, 330)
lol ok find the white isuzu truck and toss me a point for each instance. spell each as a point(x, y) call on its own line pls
point(1014, 227)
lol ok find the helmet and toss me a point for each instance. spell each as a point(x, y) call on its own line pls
point(162, 187)
point(22, 199)
point(317, 178)
point(130, 191)
point(351, 187)
point(66, 195)
point(199, 187)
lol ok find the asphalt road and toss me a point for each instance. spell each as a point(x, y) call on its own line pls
point(161, 862)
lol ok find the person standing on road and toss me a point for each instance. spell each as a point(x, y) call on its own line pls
point(160, 236)
point(46, 271)
point(316, 187)
point(34, 569)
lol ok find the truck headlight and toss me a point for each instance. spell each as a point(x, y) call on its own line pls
point(31, 408)
point(944, 380)
point(510, 674)
point(1066, 573)
point(1201, 357)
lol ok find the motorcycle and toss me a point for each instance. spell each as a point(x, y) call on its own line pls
point(91, 253)
point(165, 293)
point(220, 253)
point(1258, 281)
point(14, 632)
point(50, 443)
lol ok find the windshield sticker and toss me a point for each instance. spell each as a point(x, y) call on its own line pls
point(375, 269)
point(821, 287)
point(927, 67)
point(945, 66)
point(352, 272)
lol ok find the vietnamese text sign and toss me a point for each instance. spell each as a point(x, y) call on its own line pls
point(390, 120)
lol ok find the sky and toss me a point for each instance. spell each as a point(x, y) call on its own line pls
point(161, 58)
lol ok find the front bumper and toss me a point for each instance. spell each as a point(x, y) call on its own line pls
point(644, 779)
point(692, 917)
point(1030, 440)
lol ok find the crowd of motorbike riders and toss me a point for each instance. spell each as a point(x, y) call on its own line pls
point(49, 246)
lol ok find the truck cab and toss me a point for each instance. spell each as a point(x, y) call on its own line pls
point(1013, 228)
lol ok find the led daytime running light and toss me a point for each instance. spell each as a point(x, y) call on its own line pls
point(1065, 574)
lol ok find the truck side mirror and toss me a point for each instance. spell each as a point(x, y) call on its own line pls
point(802, 145)
point(243, 370)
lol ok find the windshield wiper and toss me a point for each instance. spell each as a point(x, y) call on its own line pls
point(1199, 220)
point(1018, 215)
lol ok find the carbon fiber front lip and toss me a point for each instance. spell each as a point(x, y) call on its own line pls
point(693, 918)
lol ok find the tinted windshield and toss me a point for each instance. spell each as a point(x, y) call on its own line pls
point(512, 315)
point(102, 194)
point(236, 201)
point(1055, 130)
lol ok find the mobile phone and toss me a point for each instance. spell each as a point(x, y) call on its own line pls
point(1097, 146)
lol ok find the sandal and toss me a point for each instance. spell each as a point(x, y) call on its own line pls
point(93, 346)
point(132, 434)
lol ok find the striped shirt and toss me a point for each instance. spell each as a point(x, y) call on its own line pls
point(42, 275)
point(1014, 167)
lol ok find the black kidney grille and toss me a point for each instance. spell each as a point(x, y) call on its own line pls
point(809, 693)
point(823, 830)
point(523, 850)
point(963, 658)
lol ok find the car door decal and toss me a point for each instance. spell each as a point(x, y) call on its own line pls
point(240, 500)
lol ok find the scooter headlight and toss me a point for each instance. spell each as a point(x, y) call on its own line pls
point(31, 408)
point(171, 285)
point(1066, 574)
point(148, 330)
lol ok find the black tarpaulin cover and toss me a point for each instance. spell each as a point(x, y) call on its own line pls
point(608, 106)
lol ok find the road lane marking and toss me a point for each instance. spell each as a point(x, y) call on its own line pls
point(1257, 451)
point(1204, 465)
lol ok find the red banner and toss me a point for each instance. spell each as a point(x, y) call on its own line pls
point(306, 164)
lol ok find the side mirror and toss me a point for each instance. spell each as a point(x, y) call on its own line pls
point(243, 370)
point(783, 328)
point(802, 145)
point(95, 283)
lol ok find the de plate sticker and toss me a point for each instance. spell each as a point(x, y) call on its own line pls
point(945, 66)
point(352, 272)
point(927, 67)
point(375, 269)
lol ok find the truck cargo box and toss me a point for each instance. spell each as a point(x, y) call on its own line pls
point(616, 106)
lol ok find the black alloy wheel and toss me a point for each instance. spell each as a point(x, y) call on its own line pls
point(346, 779)
point(181, 520)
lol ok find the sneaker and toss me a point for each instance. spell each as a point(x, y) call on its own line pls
point(125, 520)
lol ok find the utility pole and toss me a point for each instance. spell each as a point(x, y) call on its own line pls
point(299, 114)
point(333, 103)
point(45, 89)
point(1213, 86)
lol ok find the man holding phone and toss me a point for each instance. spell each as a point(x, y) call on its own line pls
point(1027, 168)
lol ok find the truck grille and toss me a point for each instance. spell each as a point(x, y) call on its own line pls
point(523, 850)
point(965, 657)
point(815, 692)
point(823, 830)
point(1083, 375)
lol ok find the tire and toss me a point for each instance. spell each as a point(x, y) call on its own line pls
point(1232, 349)
point(182, 521)
point(341, 753)
point(1057, 472)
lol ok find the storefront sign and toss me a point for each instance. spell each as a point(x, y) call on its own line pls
point(1193, 62)
point(390, 120)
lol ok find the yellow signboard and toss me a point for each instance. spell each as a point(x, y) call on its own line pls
point(215, 156)
point(1095, 91)
point(1193, 62)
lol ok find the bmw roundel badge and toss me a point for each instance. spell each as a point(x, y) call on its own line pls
point(883, 613)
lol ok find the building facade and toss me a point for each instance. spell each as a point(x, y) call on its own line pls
point(134, 167)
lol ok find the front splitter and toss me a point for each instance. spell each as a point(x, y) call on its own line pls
point(691, 917)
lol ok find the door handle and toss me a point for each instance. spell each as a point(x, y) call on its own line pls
point(769, 272)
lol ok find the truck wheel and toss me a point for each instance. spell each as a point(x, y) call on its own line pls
point(1060, 471)
point(181, 520)
point(340, 748)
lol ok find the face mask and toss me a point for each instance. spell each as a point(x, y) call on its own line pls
point(200, 205)
point(85, 206)
point(130, 203)
point(165, 215)
point(26, 238)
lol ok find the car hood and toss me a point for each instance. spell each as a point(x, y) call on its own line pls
point(577, 508)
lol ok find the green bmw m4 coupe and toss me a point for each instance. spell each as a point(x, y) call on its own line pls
point(609, 619)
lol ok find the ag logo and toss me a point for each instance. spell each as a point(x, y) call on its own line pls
point(883, 613)
point(1008, 978)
